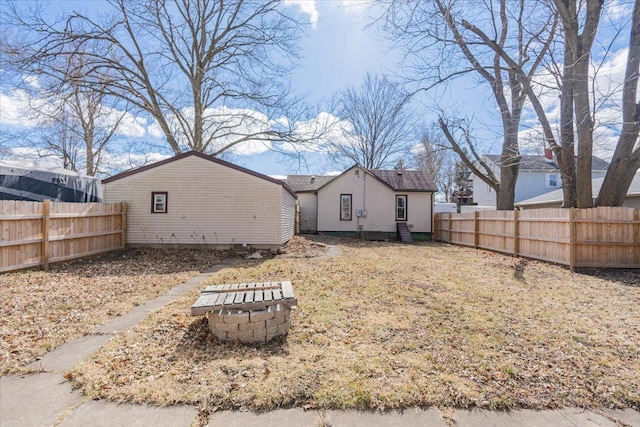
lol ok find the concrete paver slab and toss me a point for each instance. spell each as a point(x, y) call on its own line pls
point(627, 416)
point(582, 417)
point(278, 418)
point(66, 356)
point(108, 414)
point(35, 400)
point(407, 418)
point(568, 417)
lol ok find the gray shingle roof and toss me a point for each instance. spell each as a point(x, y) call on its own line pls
point(306, 183)
point(408, 180)
point(541, 163)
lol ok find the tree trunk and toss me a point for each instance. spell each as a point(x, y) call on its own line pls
point(584, 125)
point(626, 158)
point(509, 166)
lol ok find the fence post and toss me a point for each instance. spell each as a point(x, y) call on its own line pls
point(476, 229)
point(123, 222)
point(46, 208)
point(516, 232)
point(434, 232)
point(572, 239)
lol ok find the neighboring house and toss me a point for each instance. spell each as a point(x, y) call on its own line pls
point(537, 175)
point(360, 200)
point(555, 198)
point(195, 199)
point(35, 182)
point(305, 187)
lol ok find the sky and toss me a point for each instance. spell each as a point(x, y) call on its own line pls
point(336, 52)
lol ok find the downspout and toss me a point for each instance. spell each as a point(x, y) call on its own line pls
point(364, 197)
point(317, 231)
point(432, 214)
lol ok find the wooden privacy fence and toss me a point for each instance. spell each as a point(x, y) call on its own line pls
point(38, 233)
point(604, 237)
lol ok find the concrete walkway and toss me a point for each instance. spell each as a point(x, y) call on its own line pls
point(47, 399)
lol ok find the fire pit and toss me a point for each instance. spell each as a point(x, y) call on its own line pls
point(247, 312)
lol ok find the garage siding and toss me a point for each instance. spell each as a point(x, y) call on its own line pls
point(287, 227)
point(208, 204)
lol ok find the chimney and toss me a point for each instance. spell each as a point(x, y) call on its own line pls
point(313, 179)
point(548, 153)
point(399, 167)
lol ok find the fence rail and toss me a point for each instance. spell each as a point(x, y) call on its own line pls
point(607, 237)
point(38, 233)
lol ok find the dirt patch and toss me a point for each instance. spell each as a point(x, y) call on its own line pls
point(388, 326)
point(305, 247)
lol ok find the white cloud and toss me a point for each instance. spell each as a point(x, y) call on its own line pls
point(618, 9)
point(18, 108)
point(356, 7)
point(607, 96)
point(118, 162)
point(308, 7)
point(13, 108)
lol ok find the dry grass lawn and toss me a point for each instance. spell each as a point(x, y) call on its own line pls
point(41, 310)
point(391, 326)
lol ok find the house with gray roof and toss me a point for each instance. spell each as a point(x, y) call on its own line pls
point(365, 200)
point(306, 187)
point(538, 175)
point(554, 199)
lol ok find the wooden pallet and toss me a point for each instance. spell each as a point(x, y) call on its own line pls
point(244, 296)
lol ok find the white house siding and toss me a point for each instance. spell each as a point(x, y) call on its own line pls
point(287, 226)
point(308, 212)
point(629, 202)
point(379, 201)
point(530, 183)
point(483, 194)
point(419, 210)
point(208, 204)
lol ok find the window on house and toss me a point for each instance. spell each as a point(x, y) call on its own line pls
point(159, 201)
point(345, 207)
point(552, 180)
point(401, 208)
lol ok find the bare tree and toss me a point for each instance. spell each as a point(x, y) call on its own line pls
point(376, 124)
point(71, 121)
point(210, 73)
point(580, 22)
point(626, 158)
point(437, 159)
point(440, 45)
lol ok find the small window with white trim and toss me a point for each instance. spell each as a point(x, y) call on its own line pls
point(345, 207)
point(552, 180)
point(401, 208)
point(159, 201)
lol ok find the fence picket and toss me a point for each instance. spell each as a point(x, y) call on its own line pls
point(38, 233)
point(606, 237)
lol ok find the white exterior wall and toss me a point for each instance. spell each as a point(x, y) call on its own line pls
point(419, 209)
point(529, 184)
point(483, 194)
point(288, 218)
point(629, 202)
point(379, 201)
point(308, 212)
point(208, 204)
